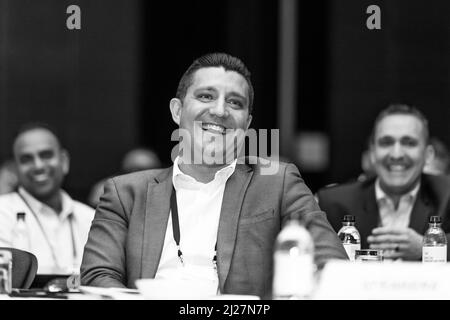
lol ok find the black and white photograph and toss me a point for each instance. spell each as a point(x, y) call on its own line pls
point(224, 155)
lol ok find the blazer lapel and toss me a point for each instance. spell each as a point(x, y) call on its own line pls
point(157, 210)
point(233, 197)
point(421, 210)
point(370, 217)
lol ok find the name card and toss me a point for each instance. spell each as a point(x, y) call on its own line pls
point(345, 280)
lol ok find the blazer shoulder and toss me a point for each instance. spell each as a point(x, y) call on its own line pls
point(337, 190)
point(437, 180)
point(436, 187)
point(140, 178)
point(270, 167)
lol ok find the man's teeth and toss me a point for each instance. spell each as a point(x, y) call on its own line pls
point(40, 178)
point(397, 167)
point(214, 127)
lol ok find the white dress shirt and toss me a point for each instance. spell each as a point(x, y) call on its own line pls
point(199, 205)
point(389, 215)
point(59, 246)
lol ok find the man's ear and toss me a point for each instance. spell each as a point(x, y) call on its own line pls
point(175, 109)
point(429, 154)
point(65, 160)
point(371, 153)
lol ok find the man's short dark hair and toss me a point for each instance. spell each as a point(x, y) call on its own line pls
point(228, 62)
point(402, 109)
point(36, 126)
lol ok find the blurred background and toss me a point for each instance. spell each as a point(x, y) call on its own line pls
point(320, 75)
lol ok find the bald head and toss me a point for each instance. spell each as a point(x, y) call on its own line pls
point(140, 159)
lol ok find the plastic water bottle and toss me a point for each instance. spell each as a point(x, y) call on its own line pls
point(293, 262)
point(350, 237)
point(20, 236)
point(434, 249)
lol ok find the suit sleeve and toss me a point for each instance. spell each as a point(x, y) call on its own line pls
point(103, 262)
point(299, 199)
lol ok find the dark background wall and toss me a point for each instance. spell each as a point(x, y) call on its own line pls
point(407, 60)
point(84, 83)
point(106, 87)
point(246, 29)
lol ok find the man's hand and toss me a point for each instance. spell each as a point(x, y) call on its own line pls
point(404, 243)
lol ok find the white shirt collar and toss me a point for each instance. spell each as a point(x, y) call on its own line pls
point(42, 208)
point(180, 179)
point(380, 195)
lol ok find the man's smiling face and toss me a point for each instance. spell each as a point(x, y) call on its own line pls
point(41, 163)
point(215, 105)
point(399, 152)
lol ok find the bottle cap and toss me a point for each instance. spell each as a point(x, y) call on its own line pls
point(368, 252)
point(20, 215)
point(295, 216)
point(349, 218)
point(435, 219)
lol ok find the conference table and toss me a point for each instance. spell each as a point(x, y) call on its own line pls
point(339, 280)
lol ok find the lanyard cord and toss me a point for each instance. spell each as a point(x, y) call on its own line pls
point(176, 229)
point(176, 223)
point(44, 233)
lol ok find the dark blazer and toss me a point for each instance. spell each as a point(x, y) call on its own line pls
point(358, 199)
point(127, 234)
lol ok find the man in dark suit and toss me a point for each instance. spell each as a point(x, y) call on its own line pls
point(392, 208)
point(212, 222)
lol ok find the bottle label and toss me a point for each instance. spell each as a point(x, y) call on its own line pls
point(293, 276)
point(434, 254)
point(351, 248)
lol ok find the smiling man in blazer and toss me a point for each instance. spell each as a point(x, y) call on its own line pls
point(211, 222)
point(392, 209)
